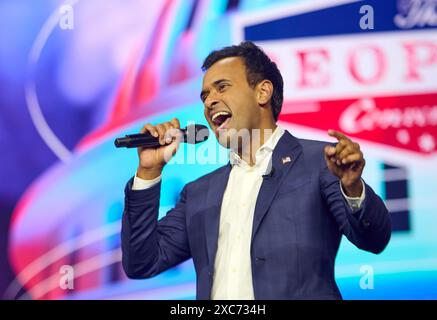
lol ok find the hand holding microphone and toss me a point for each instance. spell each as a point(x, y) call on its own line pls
point(157, 144)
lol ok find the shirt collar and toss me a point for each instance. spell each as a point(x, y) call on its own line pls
point(266, 149)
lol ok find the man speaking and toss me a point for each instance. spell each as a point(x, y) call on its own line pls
point(269, 223)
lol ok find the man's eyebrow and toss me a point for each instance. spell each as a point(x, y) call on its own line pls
point(215, 83)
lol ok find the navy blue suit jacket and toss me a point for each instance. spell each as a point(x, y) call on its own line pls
point(300, 217)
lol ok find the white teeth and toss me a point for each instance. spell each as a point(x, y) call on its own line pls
point(220, 113)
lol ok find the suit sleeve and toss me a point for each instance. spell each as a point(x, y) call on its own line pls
point(149, 246)
point(368, 228)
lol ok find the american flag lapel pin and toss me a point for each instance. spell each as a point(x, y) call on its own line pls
point(286, 159)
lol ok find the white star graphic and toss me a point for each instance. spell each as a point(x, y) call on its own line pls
point(403, 136)
point(426, 142)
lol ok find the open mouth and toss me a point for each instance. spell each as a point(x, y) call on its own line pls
point(220, 119)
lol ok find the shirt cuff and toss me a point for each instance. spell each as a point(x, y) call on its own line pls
point(141, 184)
point(354, 202)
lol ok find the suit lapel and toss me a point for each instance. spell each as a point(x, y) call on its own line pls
point(284, 156)
point(214, 197)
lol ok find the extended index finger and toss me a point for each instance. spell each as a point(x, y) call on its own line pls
point(338, 135)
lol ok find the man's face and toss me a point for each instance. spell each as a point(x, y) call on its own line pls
point(229, 101)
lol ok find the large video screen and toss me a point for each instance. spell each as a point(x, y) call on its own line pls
point(74, 75)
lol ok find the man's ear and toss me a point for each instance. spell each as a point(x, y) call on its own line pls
point(264, 92)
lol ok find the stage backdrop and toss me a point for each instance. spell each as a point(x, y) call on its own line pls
point(76, 74)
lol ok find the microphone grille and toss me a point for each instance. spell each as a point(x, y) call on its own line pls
point(196, 133)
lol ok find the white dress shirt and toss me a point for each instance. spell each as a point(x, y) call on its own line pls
point(232, 267)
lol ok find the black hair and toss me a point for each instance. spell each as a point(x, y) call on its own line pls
point(258, 67)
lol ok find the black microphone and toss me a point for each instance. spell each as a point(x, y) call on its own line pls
point(269, 175)
point(194, 133)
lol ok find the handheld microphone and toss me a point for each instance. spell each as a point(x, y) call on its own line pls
point(193, 133)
